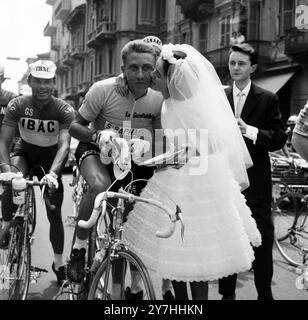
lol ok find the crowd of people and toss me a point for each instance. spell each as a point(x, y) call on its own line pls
point(167, 97)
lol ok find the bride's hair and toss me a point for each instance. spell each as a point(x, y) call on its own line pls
point(179, 77)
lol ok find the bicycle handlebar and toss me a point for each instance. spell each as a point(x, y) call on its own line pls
point(33, 183)
point(100, 206)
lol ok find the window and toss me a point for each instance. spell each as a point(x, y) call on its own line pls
point(286, 15)
point(147, 12)
point(203, 37)
point(254, 15)
point(100, 64)
point(225, 31)
point(162, 10)
point(92, 70)
point(110, 55)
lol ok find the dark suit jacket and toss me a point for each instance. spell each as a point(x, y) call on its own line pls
point(261, 110)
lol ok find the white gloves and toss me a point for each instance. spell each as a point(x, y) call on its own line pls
point(52, 180)
point(138, 148)
point(121, 154)
point(105, 143)
point(118, 151)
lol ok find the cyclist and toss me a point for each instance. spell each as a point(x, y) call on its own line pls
point(136, 115)
point(122, 88)
point(5, 98)
point(43, 122)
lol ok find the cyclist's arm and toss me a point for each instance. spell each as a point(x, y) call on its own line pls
point(300, 144)
point(79, 129)
point(6, 137)
point(62, 153)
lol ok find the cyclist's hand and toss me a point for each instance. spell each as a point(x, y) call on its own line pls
point(138, 148)
point(121, 154)
point(51, 179)
point(105, 137)
point(121, 87)
point(106, 146)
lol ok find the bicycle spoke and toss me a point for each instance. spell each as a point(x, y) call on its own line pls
point(290, 218)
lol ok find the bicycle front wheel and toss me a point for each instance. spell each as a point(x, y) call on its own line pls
point(104, 286)
point(15, 264)
point(291, 232)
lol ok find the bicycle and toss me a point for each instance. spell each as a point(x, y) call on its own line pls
point(116, 253)
point(79, 188)
point(15, 261)
point(289, 213)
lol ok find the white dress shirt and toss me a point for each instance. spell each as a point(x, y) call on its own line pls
point(251, 132)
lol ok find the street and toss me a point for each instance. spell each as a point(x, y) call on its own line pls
point(286, 282)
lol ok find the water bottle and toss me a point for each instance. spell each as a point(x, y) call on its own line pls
point(19, 185)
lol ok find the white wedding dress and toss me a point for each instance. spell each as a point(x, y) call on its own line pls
point(219, 229)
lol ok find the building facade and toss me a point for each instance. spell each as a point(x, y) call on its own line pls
point(87, 37)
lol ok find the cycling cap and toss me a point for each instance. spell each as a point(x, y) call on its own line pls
point(153, 40)
point(43, 69)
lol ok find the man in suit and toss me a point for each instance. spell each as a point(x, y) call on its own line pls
point(259, 119)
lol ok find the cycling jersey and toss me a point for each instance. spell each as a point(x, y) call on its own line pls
point(106, 109)
point(5, 98)
point(39, 126)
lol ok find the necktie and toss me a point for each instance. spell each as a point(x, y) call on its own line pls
point(239, 105)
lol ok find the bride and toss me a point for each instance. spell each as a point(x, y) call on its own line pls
point(219, 229)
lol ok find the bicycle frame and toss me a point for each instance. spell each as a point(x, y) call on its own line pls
point(19, 249)
point(116, 250)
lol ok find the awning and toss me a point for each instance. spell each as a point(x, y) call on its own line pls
point(274, 83)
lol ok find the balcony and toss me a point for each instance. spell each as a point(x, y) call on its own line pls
point(105, 31)
point(76, 17)
point(63, 10)
point(296, 45)
point(55, 43)
point(78, 52)
point(67, 58)
point(196, 10)
point(61, 67)
point(50, 30)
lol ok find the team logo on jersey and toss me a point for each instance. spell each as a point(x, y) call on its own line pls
point(140, 115)
point(69, 110)
point(39, 126)
point(29, 111)
point(43, 133)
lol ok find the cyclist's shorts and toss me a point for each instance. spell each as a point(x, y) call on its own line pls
point(84, 150)
point(39, 159)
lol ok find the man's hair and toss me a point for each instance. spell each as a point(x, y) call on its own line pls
point(138, 46)
point(247, 49)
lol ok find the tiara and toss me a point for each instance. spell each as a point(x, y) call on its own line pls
point(153, 40)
